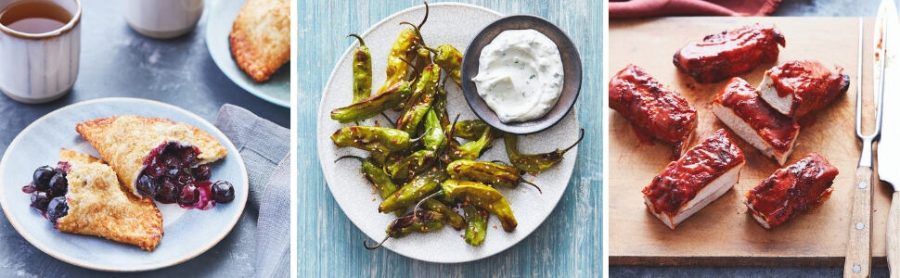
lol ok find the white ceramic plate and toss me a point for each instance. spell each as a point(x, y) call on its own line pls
point(220, 16)
point(188, 233)
point(456, 24)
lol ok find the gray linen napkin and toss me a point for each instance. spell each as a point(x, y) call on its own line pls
point(265, 148)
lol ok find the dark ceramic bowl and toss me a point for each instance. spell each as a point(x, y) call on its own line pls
point(571, 69)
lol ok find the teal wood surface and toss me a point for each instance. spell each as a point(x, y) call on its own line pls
point(568, 244)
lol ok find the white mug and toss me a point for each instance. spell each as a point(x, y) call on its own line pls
point(37, 68)
point(163, 19)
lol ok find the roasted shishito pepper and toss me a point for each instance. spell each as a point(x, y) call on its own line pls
point(476, 224)
point(405, 167)
point(433, 138)
point(412, 192)
point(375, 175)
point(491, 173)
point(449, 58)
point(471, 150)
point(404, 50)
point(373, 105)
point(421, 221)
point(420, 102)
point(535, 164)
point(380, 141)
point(362, 71)
point(454, 219)
point(470, 129)
point(482, 196)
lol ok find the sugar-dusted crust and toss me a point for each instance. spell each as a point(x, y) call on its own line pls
point(99, 206)
point(260, 37)
point(125, 142)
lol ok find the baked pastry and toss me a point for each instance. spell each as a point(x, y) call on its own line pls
point(83, 196)
point(729, 53)
point(261, 37)
point(653, 110)
point(751, 118)
point(699, 177)
point(797, 88)
point(158, 158)
point(791, 190)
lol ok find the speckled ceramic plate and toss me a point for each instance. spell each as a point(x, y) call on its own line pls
point(220, 15)
point(188, 233)
point(456, 24)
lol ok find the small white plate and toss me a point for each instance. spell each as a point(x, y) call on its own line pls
point(220, 16)
point(187, 233)
point(456, 24)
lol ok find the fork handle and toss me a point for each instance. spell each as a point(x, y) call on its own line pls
point(893, 239)
point(859, 247)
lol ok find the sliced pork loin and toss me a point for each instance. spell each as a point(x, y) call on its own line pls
point(730, 53)
point(653, 110)
point(700, 176)
point(797, 88)
point(740, 108)
point(791, 190)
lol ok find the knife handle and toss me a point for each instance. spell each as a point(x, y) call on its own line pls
point(858, 262)
point(893, 239)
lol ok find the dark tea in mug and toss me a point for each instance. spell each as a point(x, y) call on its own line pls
point(34, 17)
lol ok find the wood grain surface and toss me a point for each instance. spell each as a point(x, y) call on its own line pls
point(723, 233)
point(568, 243)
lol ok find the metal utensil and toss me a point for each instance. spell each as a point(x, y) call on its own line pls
point(889, 144)
point(859, 246)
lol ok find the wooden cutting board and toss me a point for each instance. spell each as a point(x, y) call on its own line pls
point(723, 233)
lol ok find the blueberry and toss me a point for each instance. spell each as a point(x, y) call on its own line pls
point(147, 186)
point(57, 209)
point(184, 178)
point(40, 200)
point(167, 192)
point(59, 185)
point(202, 173)
point(223, 192)
point(189, 195)
point(41, 178)
point(188, 155)
point(155, 170)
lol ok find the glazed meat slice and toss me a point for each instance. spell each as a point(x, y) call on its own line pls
point(730, 53)
point(653, 110)
point(702, 175)
point(740, 108)
point(797, 88)
point(791, 191)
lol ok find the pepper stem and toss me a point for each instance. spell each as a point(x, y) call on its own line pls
point(533, 185)
point(376, 246)
point(580, 137)
point(360, 159)
point(419, 204)
point(360, 39)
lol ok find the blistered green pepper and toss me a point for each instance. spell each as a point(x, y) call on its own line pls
point(454, 219)
point(490, 173)
point(373, 105)
point(449, 58)
point(379, 179)
point(404, 49)
point(413, 191)
point(482, 196)
point(476, 224)
point(534, 163)
point(470, 129)
point(420, 102)
point(380, 141)
point(471, 150)
point(362, 71)
point(410, 165)
point(422, 221)
point(433, 138)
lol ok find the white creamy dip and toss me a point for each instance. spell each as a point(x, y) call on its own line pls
point(520, 75)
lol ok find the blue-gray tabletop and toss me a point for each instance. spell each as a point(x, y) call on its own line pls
point(118, 62)
point(567, 244)
point(863, 8)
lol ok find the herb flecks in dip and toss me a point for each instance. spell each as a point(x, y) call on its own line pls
point(520, 75)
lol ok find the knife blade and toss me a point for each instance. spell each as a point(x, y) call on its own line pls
point(889, 144)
